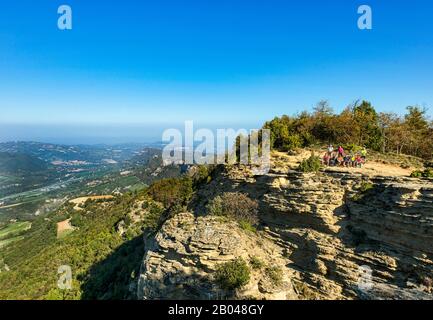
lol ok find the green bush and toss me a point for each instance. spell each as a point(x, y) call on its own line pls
point(312, 164)
point(275, 274)
point(292, 141)
point(427, 173)
point(256, 263)
point(202, 175)
point(216, 206)
point(77, 220)
point(232, 275)
point(247, 226)
point(365, 186)
point(152, 218)
point(363, 190)
point(172, 191)
point(235, 205)
point(416, 174)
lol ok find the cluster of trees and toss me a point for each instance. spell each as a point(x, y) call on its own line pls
point(171, 191)
point(358, 125)
point(174, 193)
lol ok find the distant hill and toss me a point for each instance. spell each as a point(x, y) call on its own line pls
point(18, 163)
point(146, 157)
point(95, 154)
point(148, 166)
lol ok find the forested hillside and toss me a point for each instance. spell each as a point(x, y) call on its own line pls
point(18, 163)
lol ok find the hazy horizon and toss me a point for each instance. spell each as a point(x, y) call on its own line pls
point(99, 134)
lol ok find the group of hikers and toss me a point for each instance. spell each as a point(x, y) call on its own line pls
point(339, 158)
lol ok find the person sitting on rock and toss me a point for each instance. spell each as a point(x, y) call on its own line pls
point(364, 154)
point(332, 160)
point(340, 160)
point(353, 160)
point(347, 161)
point(326, 159)
point(358, 161)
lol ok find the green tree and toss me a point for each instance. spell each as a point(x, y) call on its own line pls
point(366, 119)
point(172, 191)
point(418, 131)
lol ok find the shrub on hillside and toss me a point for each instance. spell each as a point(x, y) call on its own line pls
point(233, 274)
point(293, 141)
point(312, 164)
point(427, 173)
point(363, 190)
point(152, 217)
point(77, 220)
point(416, 174)
point(256, 263)
point(275, 274)
point(202, 174)
point(172, 191)
point(216, 206)
point(247, 226)
point(235, 205)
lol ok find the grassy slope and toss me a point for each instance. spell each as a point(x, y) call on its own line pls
point(13, 232)
point(14, 229)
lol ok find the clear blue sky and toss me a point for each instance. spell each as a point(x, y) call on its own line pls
point(219, 63)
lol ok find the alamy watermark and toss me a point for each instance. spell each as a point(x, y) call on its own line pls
point(250, 147)
point(65, 280)
point(64, 22)
point(365, 21)
point(365, 278)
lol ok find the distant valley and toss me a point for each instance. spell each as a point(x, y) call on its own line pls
point(36, 178)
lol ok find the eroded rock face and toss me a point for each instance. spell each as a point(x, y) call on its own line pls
point(331, 238)
point(181, 260)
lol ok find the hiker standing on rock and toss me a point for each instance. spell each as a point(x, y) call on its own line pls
point(340, 151)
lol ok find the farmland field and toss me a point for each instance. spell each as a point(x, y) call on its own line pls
point(13, 232)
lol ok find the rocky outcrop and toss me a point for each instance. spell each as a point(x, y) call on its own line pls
point(181, 260)
point(335, 235)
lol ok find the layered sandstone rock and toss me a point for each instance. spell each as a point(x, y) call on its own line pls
point(333, 237)
point(181, 260)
